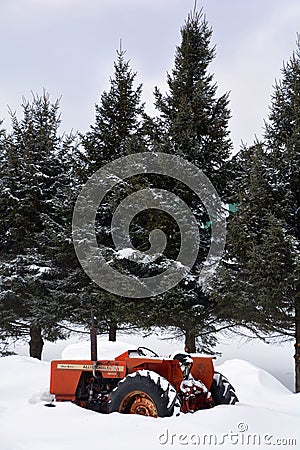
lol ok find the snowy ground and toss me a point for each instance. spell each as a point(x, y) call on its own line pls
point(268, 414)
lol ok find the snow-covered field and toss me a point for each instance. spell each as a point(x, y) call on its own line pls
point(267, 416)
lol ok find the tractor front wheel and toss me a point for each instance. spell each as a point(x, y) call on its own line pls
point(145, 393)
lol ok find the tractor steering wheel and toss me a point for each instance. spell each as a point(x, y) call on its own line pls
point(142, 353)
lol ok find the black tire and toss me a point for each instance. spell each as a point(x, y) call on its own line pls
point(222, 391)
point(145, 393)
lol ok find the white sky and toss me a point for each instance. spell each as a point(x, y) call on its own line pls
point(68, 48)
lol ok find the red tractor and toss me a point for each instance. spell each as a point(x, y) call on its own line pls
point(140, 382)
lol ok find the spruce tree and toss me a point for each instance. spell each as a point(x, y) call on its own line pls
point(35, 186)
point(117, 118)
point(117, 131)
point(260, 274)
point(248, 230)
point(195, 126)
point(195, 119)
point(283, 141)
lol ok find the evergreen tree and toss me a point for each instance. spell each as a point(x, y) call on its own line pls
point(195, 120)
point(260, 274)
point(2, 158)
point(118, 118)
point(283, 141)
point(117, 131)
point(195, 126)
point(248, 230)
point(34, 233)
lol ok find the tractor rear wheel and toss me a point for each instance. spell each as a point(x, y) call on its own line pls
point(145, 393)
point(222, 391)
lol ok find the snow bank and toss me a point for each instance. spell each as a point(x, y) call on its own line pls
point(230, 346)
point(22, 377)
point(255, 386)
point(106, 350)
point(267, 412)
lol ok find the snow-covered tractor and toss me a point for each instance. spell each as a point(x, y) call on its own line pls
point(138, 381)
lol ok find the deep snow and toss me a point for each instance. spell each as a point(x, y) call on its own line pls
point(268, 415)
point(274, 358)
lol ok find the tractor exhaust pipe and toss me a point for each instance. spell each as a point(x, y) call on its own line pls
point(93, 339)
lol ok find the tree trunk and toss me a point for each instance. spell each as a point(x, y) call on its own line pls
point(36, 342)
point(297, 349)
point(112, 333)
point(190, 342)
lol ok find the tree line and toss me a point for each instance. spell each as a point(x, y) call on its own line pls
point(44, 293)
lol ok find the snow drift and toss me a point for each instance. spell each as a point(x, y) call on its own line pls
point(268, 414)
point(106, 350)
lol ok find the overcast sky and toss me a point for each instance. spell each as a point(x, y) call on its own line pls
point(68, 48)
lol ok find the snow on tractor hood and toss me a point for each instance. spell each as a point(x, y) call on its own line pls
point(106, 350)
